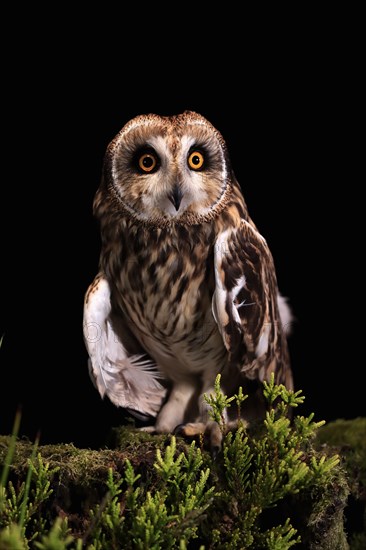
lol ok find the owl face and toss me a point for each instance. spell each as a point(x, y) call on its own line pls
point(168, 168)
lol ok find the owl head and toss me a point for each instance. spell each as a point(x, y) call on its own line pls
point(171, 169)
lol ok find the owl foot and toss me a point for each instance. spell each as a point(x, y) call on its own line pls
point(210, 432)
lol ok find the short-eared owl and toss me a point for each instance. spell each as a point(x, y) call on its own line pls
point(187, 286)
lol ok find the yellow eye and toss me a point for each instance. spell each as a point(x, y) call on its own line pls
point(196, 160)
point(147, 162)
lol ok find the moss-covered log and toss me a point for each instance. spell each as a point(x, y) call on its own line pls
point(274, 485)
point(79, 484)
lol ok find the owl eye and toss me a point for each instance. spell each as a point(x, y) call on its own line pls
point(196, 160)
point(147, 162)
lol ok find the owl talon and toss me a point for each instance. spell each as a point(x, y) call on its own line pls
point(215, 452)
point(179, 430)
point(215, 435)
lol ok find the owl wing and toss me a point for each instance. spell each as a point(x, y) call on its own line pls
point(247, 306)
point(129, 380)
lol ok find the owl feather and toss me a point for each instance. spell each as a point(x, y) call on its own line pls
point(129, 380)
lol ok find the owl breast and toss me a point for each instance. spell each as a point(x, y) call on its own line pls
point(165, 291)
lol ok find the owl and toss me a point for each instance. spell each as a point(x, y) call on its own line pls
point(186, 288)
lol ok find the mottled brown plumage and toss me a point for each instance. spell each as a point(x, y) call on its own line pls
point(187, 286)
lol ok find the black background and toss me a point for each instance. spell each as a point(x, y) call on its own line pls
point(289, 114)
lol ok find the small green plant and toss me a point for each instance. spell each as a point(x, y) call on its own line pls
point(262, 470)
point(219, 402)
point(22, 506)
point(165, 517)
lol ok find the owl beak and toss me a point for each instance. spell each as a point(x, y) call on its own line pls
point(176, 196)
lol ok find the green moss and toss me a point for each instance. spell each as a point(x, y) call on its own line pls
point(131, 439)
point(348, 438)
point(345, 432)
point(81, 466)
point(325, 523)
point(358, 541)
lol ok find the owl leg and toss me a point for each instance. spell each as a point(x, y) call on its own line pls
point(172, 413)
point(205, 426)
